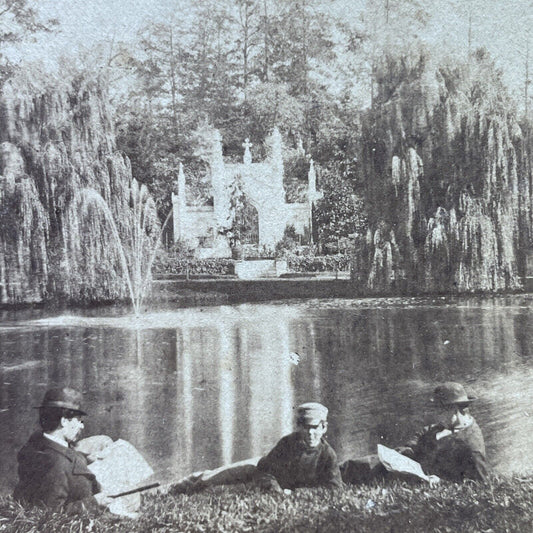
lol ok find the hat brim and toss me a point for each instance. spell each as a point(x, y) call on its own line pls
point(77, 411)
point(468, 400)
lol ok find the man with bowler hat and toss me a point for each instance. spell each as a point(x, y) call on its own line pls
point(51, 473)
point(452, 448)
point(304, 458)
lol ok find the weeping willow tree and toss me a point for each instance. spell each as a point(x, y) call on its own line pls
point(57, 139)
point(446, 180)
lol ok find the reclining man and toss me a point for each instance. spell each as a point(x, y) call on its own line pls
point(301, 459)
point(51, 473)
point(453, 448)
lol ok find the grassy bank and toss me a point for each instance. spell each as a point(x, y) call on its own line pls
point(506, 505)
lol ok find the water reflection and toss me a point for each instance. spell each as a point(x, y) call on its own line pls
point(198, 388)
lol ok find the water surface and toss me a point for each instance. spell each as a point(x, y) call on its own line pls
point(196, 388)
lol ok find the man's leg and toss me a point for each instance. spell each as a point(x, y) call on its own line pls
point(240, 472)
point(362, 470)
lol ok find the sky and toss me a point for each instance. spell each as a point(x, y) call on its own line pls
point(500, 25)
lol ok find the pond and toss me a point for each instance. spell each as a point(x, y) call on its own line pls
point(197, 388)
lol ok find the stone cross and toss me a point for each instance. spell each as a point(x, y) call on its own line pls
point(247, 157)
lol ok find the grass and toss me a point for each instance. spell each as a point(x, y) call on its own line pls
point(504, 505)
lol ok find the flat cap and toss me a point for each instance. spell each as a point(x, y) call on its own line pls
point(311, 413)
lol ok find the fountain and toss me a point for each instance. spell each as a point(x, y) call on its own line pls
point(135, 236)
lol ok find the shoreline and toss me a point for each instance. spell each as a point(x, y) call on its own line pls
point(224, 290)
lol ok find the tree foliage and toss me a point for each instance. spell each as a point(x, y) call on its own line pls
point(246, 66)
point(341, 212)
point(19, 21)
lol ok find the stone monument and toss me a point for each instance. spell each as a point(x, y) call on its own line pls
point(206, 228)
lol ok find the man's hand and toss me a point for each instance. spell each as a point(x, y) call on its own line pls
point(443, 433)
point(407, 451)
point(433, 481)
point(269, 483)
point(103, 499)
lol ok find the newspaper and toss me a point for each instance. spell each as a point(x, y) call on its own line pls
point(396, 462)
point(120, 467)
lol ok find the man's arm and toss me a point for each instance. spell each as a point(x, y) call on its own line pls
point(480, 469)
point(423, 444)
point(273, 467)
point(276, 459)
point(457, 459)
point(331, 474)
point(54, 492)
point(469, 464)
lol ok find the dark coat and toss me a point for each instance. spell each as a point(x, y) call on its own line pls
point(54, 476)
point(457, 457)
point(293, 465)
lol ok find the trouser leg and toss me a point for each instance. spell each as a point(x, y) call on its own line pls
point(362, 470)
point(229, 475)
point(241, 473)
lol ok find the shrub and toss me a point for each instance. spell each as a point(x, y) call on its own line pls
point(321, 263)
point(182, 266)
point(252, 251)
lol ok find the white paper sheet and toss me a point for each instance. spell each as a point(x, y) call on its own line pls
point(396, 462)
point(121, 468)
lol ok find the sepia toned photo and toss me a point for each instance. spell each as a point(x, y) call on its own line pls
point(266, 265)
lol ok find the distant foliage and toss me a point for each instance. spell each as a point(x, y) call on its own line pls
point(244, 67)
point(190, 266)
point(341, 212)
point(58, 142)
point(19, 22)
point(425, 166)
point(319, 263)
point(443, 180)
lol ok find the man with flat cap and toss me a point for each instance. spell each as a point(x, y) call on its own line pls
point(452, 448)
point(51, 473)
point(304, 458)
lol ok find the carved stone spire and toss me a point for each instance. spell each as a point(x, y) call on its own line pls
point(247, 157)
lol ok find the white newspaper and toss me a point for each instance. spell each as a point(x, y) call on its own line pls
point(396, 462)
point(121, 467)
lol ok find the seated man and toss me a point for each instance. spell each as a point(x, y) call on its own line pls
point(301, 459)
point(50, 472)
point(304, 458)
point(453, 448)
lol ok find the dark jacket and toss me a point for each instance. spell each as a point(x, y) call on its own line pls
point(456, 457)
point(55, 476)
point(293, 465)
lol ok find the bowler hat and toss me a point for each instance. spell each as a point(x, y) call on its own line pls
point(65, 398)
point(312, 413)
point(450, 393)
